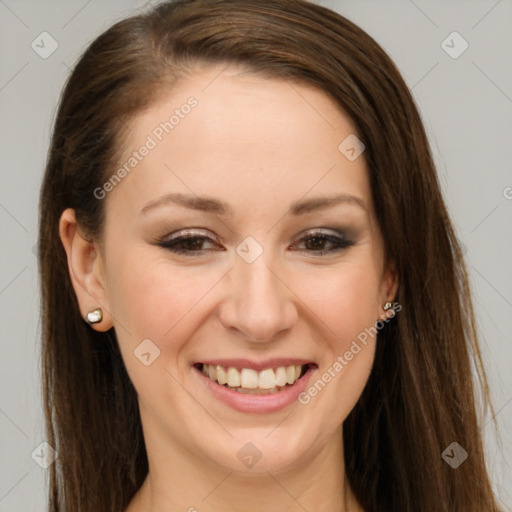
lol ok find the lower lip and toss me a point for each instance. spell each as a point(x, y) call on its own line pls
point(257, 403)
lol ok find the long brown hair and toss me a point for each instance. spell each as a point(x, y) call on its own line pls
point(420, 396)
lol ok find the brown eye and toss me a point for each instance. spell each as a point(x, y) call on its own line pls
point(192, 243)
point(188, 243)
point(321, 243)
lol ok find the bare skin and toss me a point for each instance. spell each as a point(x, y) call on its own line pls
point(258, 145)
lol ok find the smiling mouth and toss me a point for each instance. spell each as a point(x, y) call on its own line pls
point(250, 381)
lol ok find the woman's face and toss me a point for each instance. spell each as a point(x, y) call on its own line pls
point(283, 265)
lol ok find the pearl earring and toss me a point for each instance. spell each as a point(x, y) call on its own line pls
point(94, 316)
point(390, 305)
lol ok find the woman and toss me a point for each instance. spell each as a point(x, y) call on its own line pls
point(253, 297)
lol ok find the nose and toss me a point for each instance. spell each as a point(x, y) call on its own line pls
point(259, 305)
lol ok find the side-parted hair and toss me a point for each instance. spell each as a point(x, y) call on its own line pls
point(421, 395)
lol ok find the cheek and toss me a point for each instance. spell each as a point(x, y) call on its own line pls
point(344, 298)
point(346, 302)
point(152, 299)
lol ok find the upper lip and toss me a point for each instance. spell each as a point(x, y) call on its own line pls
point(256, 365)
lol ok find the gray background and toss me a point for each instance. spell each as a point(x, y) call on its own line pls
point(466, 104)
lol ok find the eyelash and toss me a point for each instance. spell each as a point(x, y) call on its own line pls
point(339, 243)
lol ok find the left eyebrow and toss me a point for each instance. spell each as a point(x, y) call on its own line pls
point(308, 205)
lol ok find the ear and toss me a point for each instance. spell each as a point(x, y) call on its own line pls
point(389, 287)
point(85, 266)
point(390, 281)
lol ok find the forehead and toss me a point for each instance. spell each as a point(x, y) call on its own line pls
point(227, 133)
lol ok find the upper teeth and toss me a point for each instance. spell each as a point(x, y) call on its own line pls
point(251, 379)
